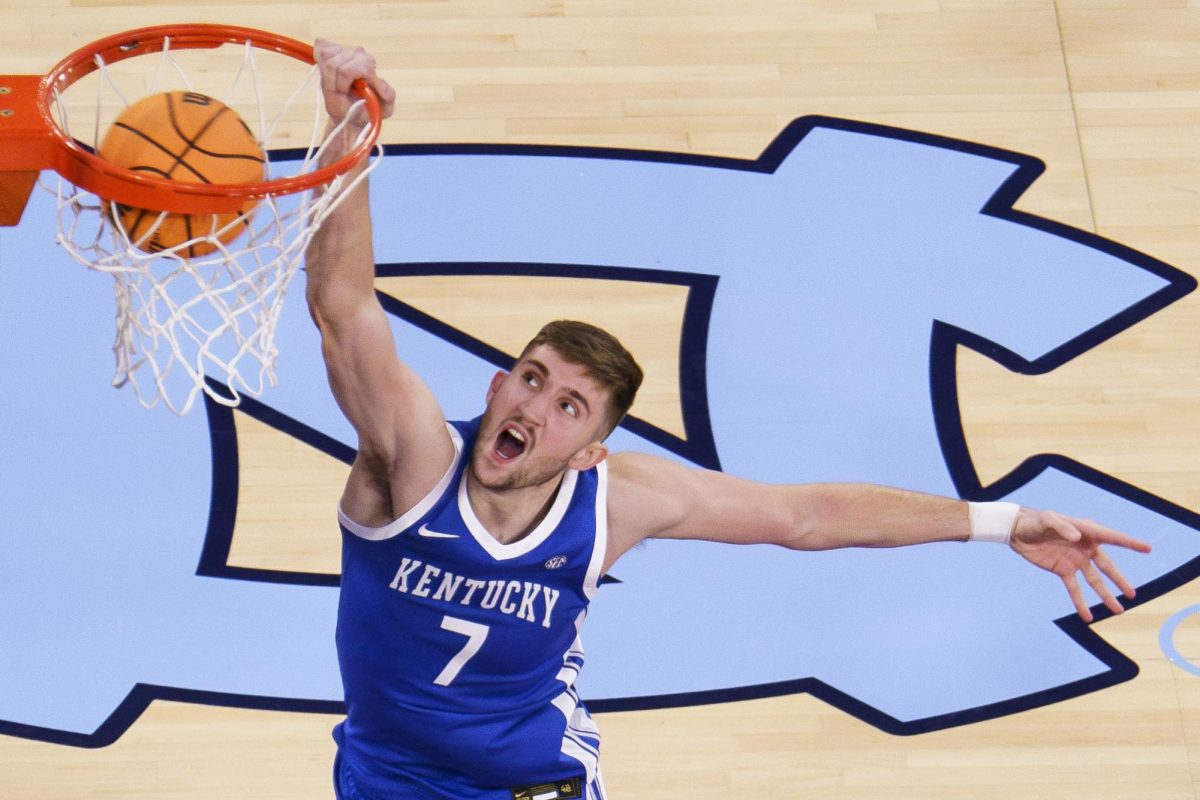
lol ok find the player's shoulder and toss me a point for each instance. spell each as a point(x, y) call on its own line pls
point(647, 495)
point(630, 470)
point(643, 484)
point(637, 465)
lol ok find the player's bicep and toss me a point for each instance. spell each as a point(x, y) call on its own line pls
point(672, 501)
point(724, 508)
point(384, 400)
point(654, 498)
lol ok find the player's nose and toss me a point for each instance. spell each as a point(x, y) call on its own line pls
point(535, 408)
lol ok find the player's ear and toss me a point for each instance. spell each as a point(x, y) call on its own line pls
point(588, 456)
point(494, 386)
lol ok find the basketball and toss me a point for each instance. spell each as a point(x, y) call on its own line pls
point(187, 137)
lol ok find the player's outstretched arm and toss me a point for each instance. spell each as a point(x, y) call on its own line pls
point(655, 498)
point(403, 446)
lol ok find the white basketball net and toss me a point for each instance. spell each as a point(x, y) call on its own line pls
point(205, 323)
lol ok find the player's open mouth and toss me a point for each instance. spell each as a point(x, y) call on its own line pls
point(510, 443)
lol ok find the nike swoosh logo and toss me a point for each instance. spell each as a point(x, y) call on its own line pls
point(425, 531)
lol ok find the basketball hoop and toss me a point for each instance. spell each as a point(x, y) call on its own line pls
point(198, 315)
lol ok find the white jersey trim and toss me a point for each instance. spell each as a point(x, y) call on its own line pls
point(504, 552)
point(410, 517)
point(592, 581)
point(579, 729)
point(581, 736)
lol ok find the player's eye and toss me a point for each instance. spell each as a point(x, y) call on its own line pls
point(570, 408)
point(531, 379)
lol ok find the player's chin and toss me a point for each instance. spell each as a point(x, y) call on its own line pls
point(490, 473)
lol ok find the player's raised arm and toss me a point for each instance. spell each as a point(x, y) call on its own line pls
point(403, 446)
point(656, 498)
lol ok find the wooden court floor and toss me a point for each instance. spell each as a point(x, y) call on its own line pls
point(1106, 92)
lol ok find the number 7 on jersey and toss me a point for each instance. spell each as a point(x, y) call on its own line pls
point(475, 634)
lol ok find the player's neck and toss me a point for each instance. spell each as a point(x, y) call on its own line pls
point(511, 514)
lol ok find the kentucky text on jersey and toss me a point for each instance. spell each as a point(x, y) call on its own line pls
point(531, 602)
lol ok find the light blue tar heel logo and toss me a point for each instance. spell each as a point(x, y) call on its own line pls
point(829, 285)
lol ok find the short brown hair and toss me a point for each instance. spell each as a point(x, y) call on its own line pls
point(601, 355)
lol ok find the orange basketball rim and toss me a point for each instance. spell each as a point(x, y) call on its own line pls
point(32, 141)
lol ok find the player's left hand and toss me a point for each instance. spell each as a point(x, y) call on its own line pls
point(1068, 546)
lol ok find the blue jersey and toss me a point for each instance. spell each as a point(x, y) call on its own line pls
point(459, 654)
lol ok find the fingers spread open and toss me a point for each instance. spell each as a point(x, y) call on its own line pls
point(1077, 597)
point(1109, 536)
point(1096, 581)
point(1106, 566)
point(1063, 526)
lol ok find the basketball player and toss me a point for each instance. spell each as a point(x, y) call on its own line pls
point(471, 549)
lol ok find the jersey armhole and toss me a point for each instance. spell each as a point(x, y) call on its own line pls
point(591, 581)
point(410, 517)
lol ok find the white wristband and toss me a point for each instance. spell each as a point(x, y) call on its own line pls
point(992, 522)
